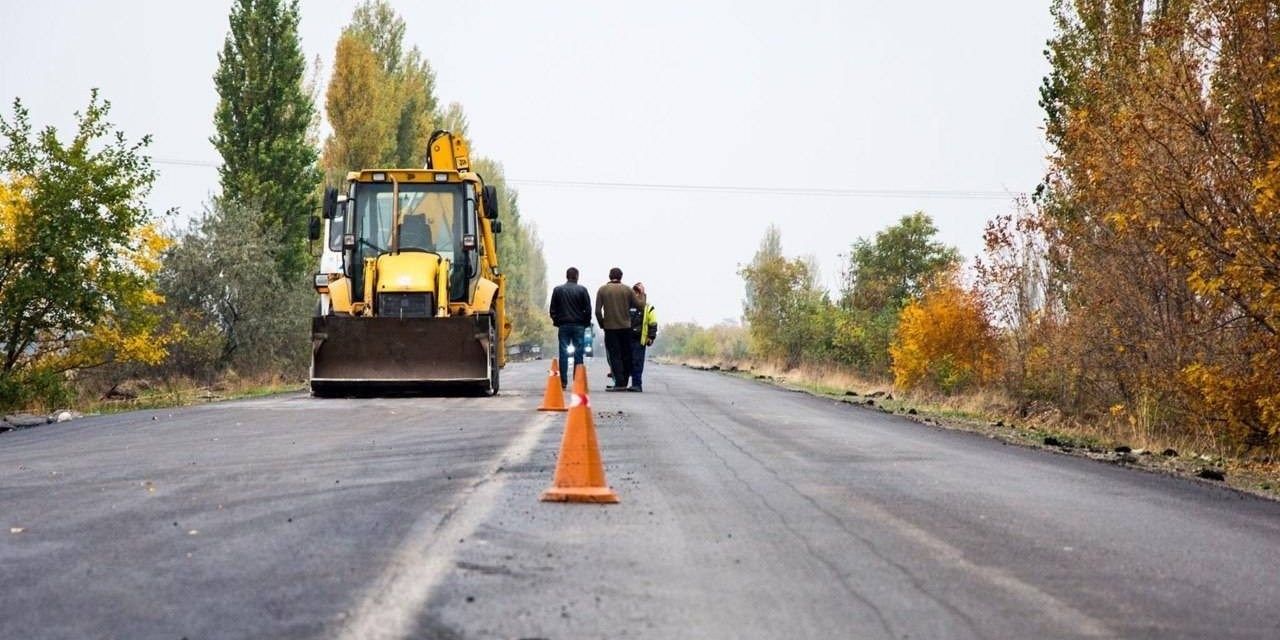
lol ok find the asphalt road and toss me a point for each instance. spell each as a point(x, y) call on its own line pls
point(747, 512)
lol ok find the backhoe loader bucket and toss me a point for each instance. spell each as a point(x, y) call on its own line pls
point(360, 355)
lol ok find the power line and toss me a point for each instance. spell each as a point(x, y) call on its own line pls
point(957, 194)
point(183, 163)
point(830, 192)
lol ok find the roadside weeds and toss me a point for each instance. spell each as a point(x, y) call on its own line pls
point(145, 395)
point(182, 393)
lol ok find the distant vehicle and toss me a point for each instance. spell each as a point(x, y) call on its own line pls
point(524, 351)
point(588, 343)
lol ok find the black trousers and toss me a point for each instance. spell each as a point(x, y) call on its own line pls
point(618, 343)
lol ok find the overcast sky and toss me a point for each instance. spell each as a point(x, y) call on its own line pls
point(845, 97)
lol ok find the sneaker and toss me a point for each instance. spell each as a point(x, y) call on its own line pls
point(615, 388)
point(635, 389)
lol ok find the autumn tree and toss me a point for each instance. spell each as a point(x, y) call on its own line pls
point(881, 275)
point(454, 118)
point(785, 309)
point(944, 341)
point(78, 253)
point(357, 107)
point(1162, 208)
point(1023, 293)
point(381, 99)
point(262, 121)
point(377, 24)
point(768, 281)
point(409, 78)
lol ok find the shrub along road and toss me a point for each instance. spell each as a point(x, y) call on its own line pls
point(747, 512)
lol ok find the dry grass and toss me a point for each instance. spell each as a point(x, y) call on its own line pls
point(181, 392)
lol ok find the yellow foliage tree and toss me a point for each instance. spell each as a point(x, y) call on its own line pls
point(381, 98)
point(15, 211)
point(359, 105)
point(1166, 123)
point(78, 254)
point(127, 335)
point(944, 341)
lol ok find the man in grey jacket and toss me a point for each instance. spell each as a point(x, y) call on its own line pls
point(614, 302)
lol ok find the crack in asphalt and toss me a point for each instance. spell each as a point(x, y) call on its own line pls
point(911, 577)
point(1049, 605)
point(804, 541)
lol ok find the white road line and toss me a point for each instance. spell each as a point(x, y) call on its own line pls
point(392, 605)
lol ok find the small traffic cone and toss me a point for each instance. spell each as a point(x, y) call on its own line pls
point(553, 398)
point(579, 471)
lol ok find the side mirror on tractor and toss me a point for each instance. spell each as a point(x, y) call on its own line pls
point(330, 205)
point(313, 229)
point(496, 225)
point(491, 202)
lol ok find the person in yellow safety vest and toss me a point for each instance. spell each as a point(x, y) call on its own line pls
point(644, 328)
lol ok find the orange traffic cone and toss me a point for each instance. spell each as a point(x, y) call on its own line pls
point(553, 398)
point(579, 471)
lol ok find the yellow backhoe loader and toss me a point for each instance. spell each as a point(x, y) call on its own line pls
point(420, 301)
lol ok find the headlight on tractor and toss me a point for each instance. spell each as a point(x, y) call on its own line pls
point(322, 282)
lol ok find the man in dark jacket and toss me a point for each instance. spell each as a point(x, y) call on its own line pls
point(571, 313)
point(614, 302)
